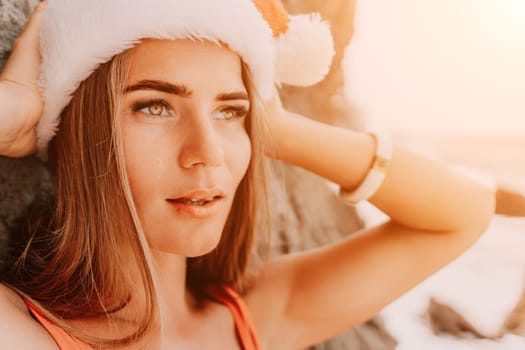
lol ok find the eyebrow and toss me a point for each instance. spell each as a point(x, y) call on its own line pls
point(174, 89)
point(181, 90)
point(228, 96)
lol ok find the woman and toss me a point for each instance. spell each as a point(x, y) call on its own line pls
point(157, 170)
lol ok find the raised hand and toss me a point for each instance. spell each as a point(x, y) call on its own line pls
point(21, 102)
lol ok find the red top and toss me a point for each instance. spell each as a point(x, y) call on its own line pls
point(244, 327)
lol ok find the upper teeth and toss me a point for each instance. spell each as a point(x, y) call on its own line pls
point(204, 199)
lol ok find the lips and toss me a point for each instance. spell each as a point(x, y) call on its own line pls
point(199, 203)
point(192, 201)
point(199, 196)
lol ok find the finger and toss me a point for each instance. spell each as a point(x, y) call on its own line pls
point(23, 65)
point(31, 31)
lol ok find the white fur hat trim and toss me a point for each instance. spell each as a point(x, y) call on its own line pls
point(77, 36)
point(305, 51)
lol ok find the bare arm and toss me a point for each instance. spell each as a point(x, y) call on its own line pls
point(20, 99)
point(435, 214)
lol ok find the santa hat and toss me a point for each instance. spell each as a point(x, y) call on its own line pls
point(78, 36)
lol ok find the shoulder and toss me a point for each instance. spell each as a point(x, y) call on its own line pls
point(15, 320)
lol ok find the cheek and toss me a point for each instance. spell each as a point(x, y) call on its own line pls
point(141, 167)
point(238, 156)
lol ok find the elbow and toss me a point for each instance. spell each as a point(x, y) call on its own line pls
point(478, 217)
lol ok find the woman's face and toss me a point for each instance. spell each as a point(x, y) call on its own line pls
point(185, 143)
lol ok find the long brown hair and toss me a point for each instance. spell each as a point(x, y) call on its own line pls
point(86, 255)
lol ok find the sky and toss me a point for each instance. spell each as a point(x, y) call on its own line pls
point(447, 65)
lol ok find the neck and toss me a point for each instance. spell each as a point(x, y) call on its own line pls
point(178, 308)
point(175, 300)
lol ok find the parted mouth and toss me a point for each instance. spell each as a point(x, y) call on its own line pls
point(198, 202)
point(199, 197)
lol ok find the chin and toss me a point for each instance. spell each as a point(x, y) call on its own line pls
point(190, 247)
point(201, 250)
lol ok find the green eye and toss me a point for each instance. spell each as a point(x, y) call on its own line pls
point(153, 108)
point(232, 113)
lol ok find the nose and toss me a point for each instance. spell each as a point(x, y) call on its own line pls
point(202, 146)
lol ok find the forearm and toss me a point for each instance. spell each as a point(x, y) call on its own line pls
point(417, 192)
point(8, 135)
point(18, 116)
point(21, 102)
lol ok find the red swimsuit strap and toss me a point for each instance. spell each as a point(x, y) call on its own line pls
point(244, 325)
point(61, 337)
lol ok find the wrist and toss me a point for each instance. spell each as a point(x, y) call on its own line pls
point(375, 174)
point(18, 120)
point(280, 130)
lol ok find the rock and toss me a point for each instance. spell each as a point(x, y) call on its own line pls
point(444, 319)
point(515, 322)
point(21, 182)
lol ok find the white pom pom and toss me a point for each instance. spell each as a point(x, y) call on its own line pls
point(305, 51)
